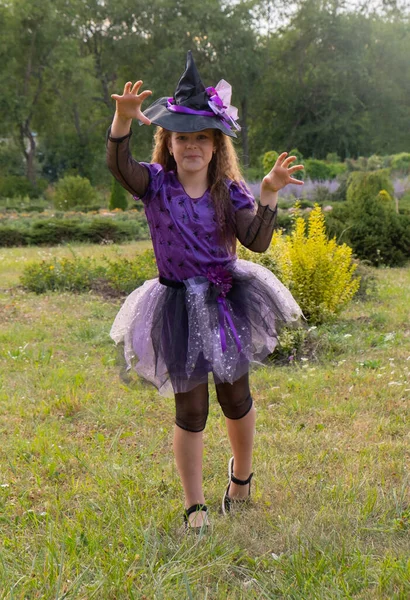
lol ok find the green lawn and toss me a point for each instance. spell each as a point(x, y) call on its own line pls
point(90, 500)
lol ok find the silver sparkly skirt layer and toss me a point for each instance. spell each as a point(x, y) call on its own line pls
point(175, 337)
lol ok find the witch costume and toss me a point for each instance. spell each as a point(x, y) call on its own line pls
point(207, 311)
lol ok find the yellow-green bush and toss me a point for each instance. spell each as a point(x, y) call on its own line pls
point(318, 271)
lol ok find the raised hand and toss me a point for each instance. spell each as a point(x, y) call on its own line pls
point(281, 174)
point(129, 103)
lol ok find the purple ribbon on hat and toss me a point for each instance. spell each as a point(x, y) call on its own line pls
point(222, 279)
point(219, 102)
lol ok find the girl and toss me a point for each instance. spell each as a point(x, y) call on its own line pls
point(207, 312)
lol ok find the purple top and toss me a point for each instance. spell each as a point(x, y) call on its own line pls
point(183, 229)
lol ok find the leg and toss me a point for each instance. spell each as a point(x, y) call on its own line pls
point(241, 433)
point(191, 415)
point(240, 415)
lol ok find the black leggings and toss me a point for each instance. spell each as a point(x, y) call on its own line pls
point(192, 407)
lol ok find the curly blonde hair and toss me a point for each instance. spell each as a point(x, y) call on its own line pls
point(224, 166)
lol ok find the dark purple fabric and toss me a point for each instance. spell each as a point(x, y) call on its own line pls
point(183, 229)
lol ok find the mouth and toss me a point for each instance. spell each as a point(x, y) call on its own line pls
point(193, 156)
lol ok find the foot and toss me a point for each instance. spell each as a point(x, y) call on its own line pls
point(238, 490)
point(196, 518)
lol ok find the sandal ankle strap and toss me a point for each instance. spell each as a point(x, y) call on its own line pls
point(194, 508)
point(241, 481)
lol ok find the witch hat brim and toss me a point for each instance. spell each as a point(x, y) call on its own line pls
point(190, 109)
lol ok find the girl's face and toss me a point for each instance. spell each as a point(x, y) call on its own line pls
point(192, 151)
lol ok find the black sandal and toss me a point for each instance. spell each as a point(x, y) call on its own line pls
point(188, 511)
point(227, 502)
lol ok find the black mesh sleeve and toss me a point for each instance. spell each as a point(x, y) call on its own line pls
point(254, 227)
point(131, 175)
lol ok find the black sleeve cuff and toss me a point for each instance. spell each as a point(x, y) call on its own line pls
point(120, 139)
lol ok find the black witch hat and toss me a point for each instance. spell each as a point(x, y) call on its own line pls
point(194, 107)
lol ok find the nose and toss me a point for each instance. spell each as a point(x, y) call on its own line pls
point(191, 142)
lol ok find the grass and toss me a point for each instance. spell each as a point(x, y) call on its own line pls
point(90, 500)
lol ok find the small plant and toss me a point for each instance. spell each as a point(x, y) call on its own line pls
point(118, 198)
point(401, 162)
point(318, 271)
point(373, 228)
point(82, 274)
point(72, 191)
point(268, 161)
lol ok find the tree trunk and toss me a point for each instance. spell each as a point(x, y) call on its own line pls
point(29, 151)
point(244, 129)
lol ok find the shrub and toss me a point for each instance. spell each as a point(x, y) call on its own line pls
point(15, 185)
point(318, 271)
point(321, 195)
point(339, 195)
point(284, 221)
point(337, 223)
point(57, 230)
point(336, 169)
point(118, 198)
point(83, 274)
point(299, 160)
point(72, 191)
point(125, 275)
point(332, 157)
point(365, 185)
point(375, 162)
point(10, 236)
point(316, 170)
point(61, 275)
point(375, 231)
point(268, 161)
point(51, 232)
point(401, 162)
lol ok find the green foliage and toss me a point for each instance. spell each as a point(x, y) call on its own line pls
point(268, 160)
point(320, 195)
point(374, 230)
point(316, 170)
point(375, 162)
point(22, 204)
point(11, 236)
point(401, 162)
point(319, 170)
point(12, 186)
point(299, 160)
point(71, 191)
point(336, 169)
point(61, 275)
point(284, 221)
point(332, 157)
point(53, 231)
point(118, 198)
point(318, 271)
point(290, 344)
point(78, 274)
point(364, 186)
point(340, 194)
point(126, 275)
point(11, 160)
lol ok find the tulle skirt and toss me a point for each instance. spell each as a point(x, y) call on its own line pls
point(175, 336)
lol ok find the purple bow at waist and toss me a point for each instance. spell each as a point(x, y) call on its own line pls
point(222, 280)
